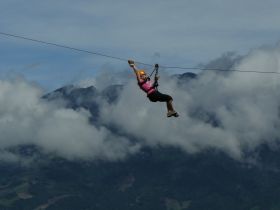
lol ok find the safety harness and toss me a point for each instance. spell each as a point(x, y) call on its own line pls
point(155, 85)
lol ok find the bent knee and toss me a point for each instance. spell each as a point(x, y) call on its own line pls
point(169, 98)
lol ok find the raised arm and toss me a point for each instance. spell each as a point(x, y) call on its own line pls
point(133, 66)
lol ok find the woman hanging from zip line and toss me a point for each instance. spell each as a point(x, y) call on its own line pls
point(150, 88)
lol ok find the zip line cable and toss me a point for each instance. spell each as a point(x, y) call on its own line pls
point(217, 69)
point(123, 59)
point(59, 45)
point(68, 47)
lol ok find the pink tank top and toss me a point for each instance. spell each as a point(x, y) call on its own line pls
point(147, 86)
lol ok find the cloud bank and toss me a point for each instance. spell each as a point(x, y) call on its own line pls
point(26, 119)
point(231, 112)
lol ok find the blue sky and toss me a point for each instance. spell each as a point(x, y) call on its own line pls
point(179, 32)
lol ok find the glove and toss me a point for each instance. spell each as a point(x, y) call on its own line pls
point(131, 63)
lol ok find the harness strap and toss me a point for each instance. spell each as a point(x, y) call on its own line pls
point(156, 74)
point(155, 70)
point(155, 84)
point(141, 83)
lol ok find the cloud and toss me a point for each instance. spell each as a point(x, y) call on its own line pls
point(26, 119)
point(107, 75)
point(233, 113)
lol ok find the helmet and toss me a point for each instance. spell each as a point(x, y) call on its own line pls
point(141, 72)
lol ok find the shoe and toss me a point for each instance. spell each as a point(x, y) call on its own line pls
point(176, 115)
point(172, 113)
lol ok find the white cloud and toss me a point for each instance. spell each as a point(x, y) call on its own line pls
point(26, 119)
point(246, 106)
point(107, 75)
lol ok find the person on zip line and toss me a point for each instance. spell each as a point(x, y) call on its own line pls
point(150, 88)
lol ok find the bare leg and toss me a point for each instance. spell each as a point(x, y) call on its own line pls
point(170, 110)
point(169, 106)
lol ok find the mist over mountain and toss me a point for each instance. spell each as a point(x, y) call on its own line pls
point(231, 112)
point(110, 148)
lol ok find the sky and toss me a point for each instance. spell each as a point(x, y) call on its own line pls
point(173, 33)
point(177, 33)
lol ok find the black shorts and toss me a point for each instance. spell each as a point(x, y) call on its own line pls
point(158, 96)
